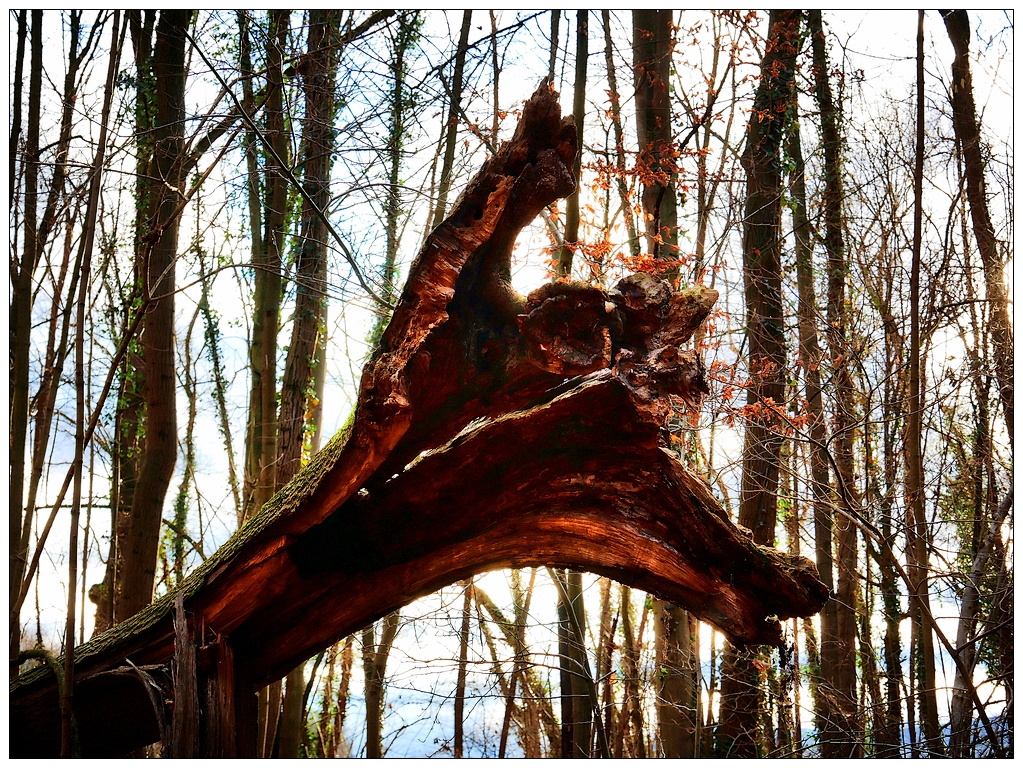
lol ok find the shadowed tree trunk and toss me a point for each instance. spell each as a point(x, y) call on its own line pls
point(582, 31)
point(454, 108)
point(967, 129)
point(738, 732)
point(842, 735)
point(652, 45)
point(916, 523)
point(157, 259)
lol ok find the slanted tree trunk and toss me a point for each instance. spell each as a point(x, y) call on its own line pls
point(738, 733)
point(439, 474)
point(967, 130)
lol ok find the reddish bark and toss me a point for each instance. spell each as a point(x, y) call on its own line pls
point(491, 430)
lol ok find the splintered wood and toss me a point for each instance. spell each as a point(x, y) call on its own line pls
point(491, 430)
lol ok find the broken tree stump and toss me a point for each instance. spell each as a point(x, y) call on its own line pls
point(491, 430)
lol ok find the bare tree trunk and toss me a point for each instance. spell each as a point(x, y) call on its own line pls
point(820, 480)
point(463, 661)
point(261, 448)
point(676, 681)
point(916, 525)
point(652, 42)
point(69, 739)
point(20, 328)
point(846, 729)
point(632, 710)
point(454, 107)
point(157, 257)
point(967, 129)
point(374, 663)
point(19, 74)
point(579, 110)
point(402, 41)
point(616, 122)
point(741, 698)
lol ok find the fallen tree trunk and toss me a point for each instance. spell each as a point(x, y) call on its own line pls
point(491, 430)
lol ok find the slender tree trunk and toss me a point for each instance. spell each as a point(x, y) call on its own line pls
point(20, 334)
point(158, 257)
point(463, 661)
point(552, 66)
point(967, 130)
point(578, 110)
point(820, 480)
point(454, 108)
point(69, 746)
point(19, 74)
point(403, 40)
point(741, 697)
point(319, 75)
point(847, 741)
point(261, 449)
point(632, 710)
point(616, 123)
point(916, 525)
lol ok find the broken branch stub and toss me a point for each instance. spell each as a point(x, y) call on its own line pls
point(492, 429)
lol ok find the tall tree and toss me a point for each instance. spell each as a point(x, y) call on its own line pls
point(19, 329)
point(967, 130)
point(157, 258)
point(916, 525)
point(738, 732)
point(261, 445)
point(842, 734)
point(655, 163)
point(318, 70)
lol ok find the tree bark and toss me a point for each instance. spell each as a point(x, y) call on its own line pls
point(652, 41)
point(843, 733)
point(739, 727)
point(454, 107)
point(916, 524)
point(568, 248)
point(463, 661)
point(374, 664)
point(967, 130)
point(157, 258)
point(261, 447)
